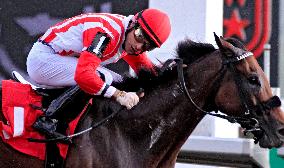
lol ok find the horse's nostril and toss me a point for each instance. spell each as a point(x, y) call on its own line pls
point(281, 131)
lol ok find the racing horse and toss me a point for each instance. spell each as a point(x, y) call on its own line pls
point(201, 80)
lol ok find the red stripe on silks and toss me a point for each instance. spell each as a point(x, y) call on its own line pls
point(118, 21)
point(50, 37)
point(76, 22)
point(63, 53)
point(105, 24)
point(122, 29)
point(89, 34)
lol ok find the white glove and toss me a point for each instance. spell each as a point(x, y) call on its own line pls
point(128, 99)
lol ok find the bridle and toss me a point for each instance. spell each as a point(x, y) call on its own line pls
point(248, 120)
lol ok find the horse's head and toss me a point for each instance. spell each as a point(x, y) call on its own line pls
point(245, 93)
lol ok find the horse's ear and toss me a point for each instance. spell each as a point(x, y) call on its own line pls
point(229, 50)
point(218, 41)
point(223, 45)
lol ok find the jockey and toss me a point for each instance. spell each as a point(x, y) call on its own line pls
point(74, 52)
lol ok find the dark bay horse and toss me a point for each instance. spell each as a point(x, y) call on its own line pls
point(227, 79)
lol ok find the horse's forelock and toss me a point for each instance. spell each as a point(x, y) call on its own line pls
point(190, 51)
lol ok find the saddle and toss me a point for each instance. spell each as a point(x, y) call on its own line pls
point(53, 158)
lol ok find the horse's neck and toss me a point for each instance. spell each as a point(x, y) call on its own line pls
point(183, 116)
point(169, 119)
point(157, 126)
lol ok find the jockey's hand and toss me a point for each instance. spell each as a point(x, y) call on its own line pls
point(127, 99)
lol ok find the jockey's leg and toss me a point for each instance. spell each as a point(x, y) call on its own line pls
point(61, 111)
point(46, 67)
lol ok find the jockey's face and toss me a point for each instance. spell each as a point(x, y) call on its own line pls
point(136, 43)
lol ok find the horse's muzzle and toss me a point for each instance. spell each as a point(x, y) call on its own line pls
point(273, 140)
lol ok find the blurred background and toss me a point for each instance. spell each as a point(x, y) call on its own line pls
point(258, 23)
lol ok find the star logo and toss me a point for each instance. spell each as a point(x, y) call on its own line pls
point(235, 26)
point(248, 21)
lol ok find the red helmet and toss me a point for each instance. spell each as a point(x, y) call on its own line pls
point(156, 24)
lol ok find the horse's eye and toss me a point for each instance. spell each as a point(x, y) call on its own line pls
point(254, 80)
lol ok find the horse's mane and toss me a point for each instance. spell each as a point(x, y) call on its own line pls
point(190, 51)
point(187, 50)
point(146, 80)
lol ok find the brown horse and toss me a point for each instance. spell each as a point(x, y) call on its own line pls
point(227, 79)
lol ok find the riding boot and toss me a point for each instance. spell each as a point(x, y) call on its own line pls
point(61, 112)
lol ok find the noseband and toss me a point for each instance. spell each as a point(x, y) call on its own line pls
point(248, 120)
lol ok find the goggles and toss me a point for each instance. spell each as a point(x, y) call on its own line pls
point(140, 37)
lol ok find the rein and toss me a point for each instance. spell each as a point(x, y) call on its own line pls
point(69, 137)
point(93, 126)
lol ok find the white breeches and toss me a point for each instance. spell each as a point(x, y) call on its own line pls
point(48, 68)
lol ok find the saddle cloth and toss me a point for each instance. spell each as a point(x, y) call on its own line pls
point(17, 99)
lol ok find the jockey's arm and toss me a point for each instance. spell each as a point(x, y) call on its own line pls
point(87, 78)
point(95, 41)
point(90, 82)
